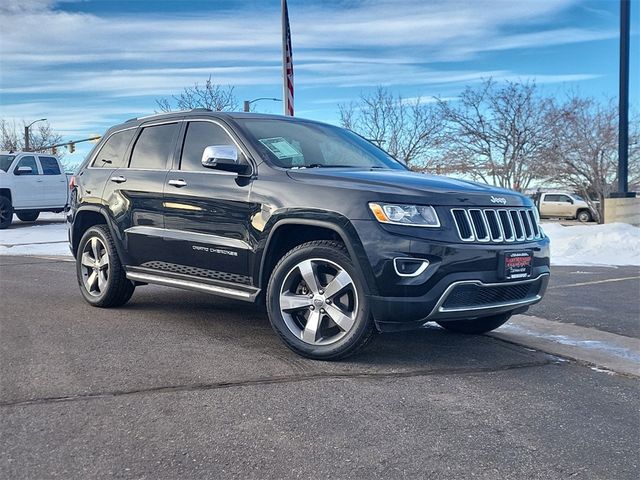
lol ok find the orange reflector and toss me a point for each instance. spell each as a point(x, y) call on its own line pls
point(378, 212)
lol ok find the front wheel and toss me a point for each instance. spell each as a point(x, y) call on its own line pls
point(584, 216)
point(101, 276)
point(317, 302)
point(6, 212)
point(477, 326)
point(28, 216)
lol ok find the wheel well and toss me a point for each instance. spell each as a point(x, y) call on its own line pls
point(5, 192)
point(288, 237)
point(580, 210)
point(82, 222)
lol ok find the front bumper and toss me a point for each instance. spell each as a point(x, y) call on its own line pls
point(463, 280)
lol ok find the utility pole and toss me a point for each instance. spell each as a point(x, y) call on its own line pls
point(623, 105)
point(26, 133)
point(247, 103)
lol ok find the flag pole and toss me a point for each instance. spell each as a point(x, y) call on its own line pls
point(285, 96)
point(287, 62)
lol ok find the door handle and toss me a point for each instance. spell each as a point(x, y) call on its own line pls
point(178, 183)
point(118, 179)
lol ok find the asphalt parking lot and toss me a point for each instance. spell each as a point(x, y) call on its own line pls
point(184, 385)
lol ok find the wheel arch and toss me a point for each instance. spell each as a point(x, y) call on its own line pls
point(6, 192)
point(291, 232)
point(85, 218)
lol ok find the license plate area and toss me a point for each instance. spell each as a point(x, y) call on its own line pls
point(516, 265)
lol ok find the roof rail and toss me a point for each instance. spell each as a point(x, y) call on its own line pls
point(201, 110)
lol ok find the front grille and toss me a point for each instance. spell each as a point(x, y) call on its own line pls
point(472, 295)
point(491, 225)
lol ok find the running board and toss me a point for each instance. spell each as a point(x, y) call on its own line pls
point(196, 286)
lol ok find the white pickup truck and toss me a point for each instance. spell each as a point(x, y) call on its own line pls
point(30, 183)
point(564, 205)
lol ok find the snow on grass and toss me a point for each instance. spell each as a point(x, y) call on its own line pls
point(609, 244)
point(45, 236)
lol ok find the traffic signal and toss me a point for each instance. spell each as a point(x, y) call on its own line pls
point(71, 147)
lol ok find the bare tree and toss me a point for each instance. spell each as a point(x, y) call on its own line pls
point(499, 133)
point(210, 95)
point(40, 135)
point(585, 149)
point(410, 130)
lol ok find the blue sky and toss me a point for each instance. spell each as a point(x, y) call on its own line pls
point(86, 65)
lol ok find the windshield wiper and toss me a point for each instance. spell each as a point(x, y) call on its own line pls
point(322, 165)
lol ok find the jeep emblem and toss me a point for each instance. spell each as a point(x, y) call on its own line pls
point(501, 200)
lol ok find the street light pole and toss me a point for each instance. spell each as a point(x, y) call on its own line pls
point(26, 133)
point(623, 105)
point(247, 103)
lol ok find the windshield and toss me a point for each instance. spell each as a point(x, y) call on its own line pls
point(6, 161)
point(290, 144)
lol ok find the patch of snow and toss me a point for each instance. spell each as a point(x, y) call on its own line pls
point(603, 370)
point(604, 245)
point(45, 236)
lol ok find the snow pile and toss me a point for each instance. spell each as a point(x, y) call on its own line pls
point(609, 244)
point(45, 236)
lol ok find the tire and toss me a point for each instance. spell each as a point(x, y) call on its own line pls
point(28, 216)
point(584, 216)
point(341, 318)
point(110, 286)
point(477, 326)
point(6, 213)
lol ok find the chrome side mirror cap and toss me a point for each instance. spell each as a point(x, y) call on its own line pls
point(223, 157)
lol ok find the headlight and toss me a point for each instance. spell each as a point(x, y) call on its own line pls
point(417, 215)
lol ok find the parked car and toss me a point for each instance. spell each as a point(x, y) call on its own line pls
point(335, 236)
point(564, 205)
point(30, 183)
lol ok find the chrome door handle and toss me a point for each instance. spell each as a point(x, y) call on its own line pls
point(178, 183)
point(118, 179)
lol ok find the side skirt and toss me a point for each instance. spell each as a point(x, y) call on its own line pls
point(245, 293)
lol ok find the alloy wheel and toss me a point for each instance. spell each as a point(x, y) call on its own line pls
point(319, 301)
point(95, 266)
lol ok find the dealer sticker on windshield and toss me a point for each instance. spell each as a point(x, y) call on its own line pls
point(280, 147)
point(517, 265)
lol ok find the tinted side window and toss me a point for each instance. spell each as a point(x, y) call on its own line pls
point(551, 198)
point(49, 166)
point(199, 136)
point(564, 198)
point(154, 147)
point(112, 153)
point(29, 161)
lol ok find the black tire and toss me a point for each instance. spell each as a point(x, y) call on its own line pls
point(327, 254)
point(28, 216)
point(6, 212)
point(584, 216)
point(477, 326)
point(116, 289)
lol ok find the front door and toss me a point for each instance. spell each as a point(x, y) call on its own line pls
point(135, 198)
point(207, 212)
point(28, 191)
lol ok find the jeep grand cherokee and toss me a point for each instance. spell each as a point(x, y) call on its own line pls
point(335, 236)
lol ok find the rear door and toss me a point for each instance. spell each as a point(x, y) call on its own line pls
point(54, 182)
point(28, 191)
point(134, 194)
point(207, 212)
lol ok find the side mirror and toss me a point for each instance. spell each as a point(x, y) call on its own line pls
point(223, 157)
point(572, 201)
point(24, 171)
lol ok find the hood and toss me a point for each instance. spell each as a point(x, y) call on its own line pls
point(429, 188)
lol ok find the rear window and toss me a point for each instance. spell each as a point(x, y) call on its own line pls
point(112, 153)
point(49, 166)
point(6, 161)
point(154, 147)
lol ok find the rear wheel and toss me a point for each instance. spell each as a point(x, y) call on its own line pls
point(477, 326)
point(100, 274)
point(6, 213)
point(28, 216)
point(317, 304)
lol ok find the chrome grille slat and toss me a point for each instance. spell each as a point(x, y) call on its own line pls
point(504, 225)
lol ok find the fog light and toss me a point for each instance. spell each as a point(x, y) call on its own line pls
point(409, 267)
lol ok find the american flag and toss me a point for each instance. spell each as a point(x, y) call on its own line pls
point(287, 61)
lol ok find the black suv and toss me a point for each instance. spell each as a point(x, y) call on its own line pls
point(335, 236)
